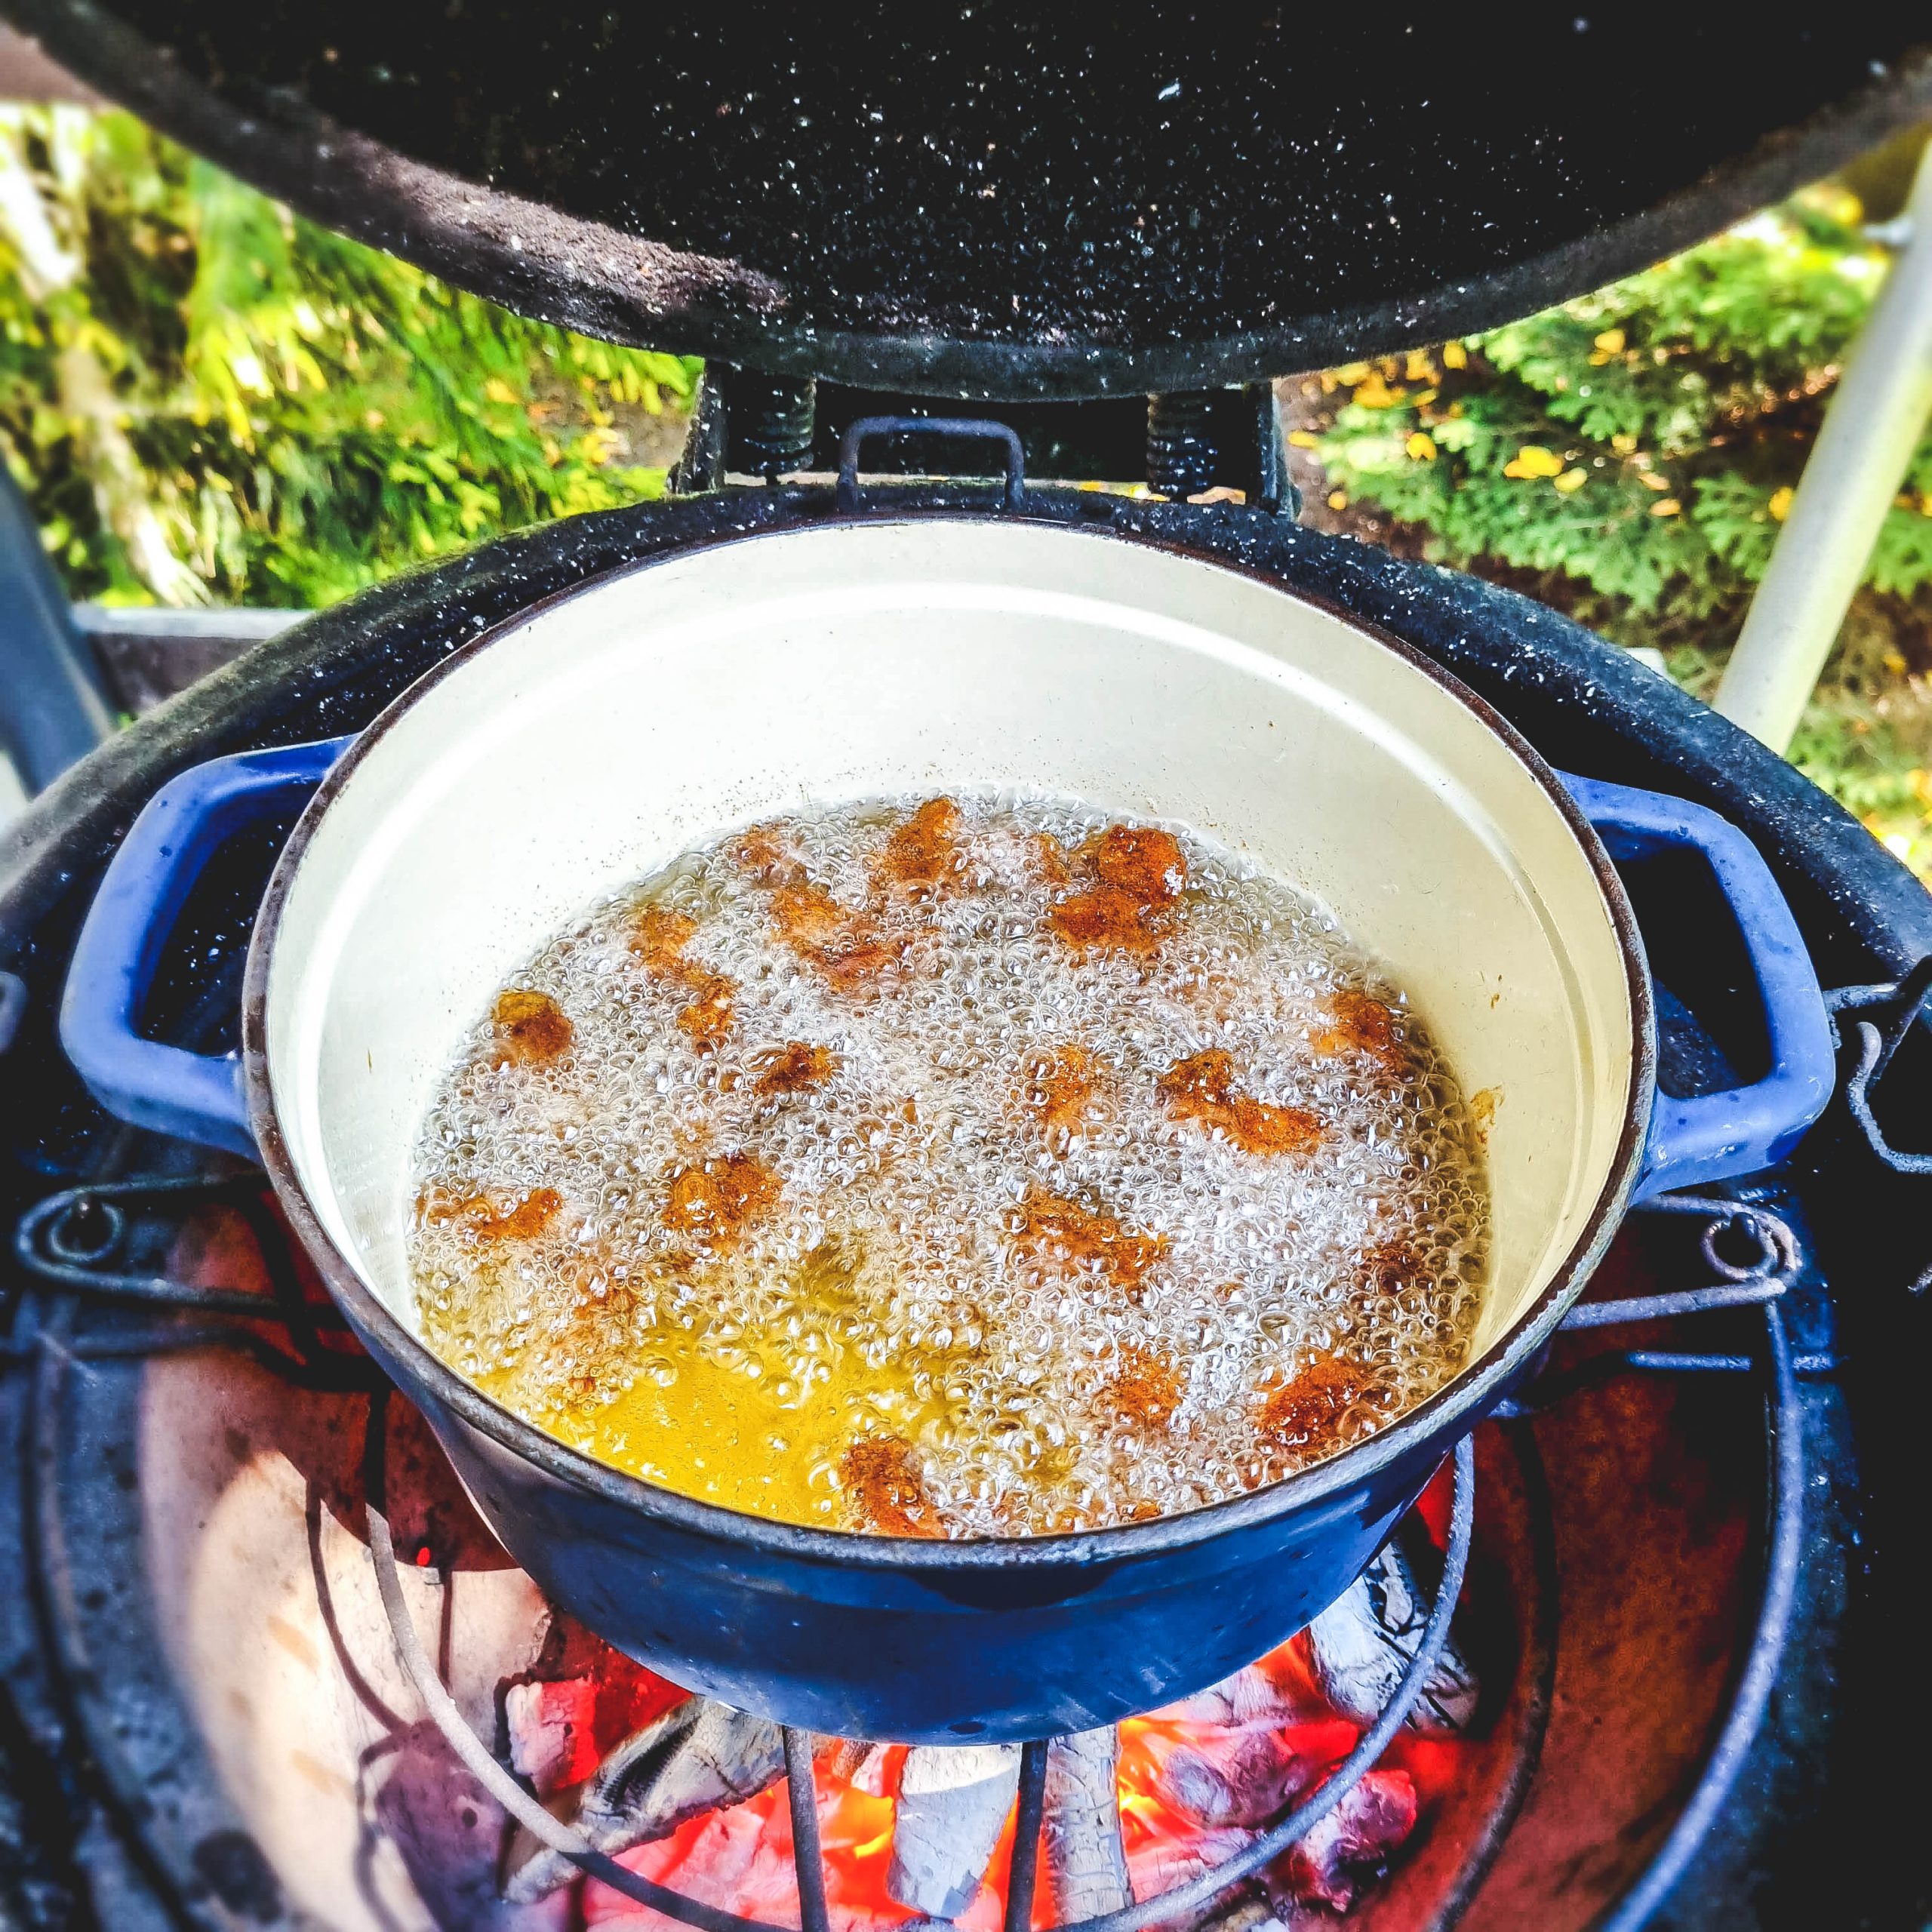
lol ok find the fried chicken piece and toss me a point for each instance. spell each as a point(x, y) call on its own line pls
point(1306, 1415)
point(1393, 1265)
point(716, 1201)
point(1058, 1090)
point(1087, 1241)
point(1145, 1390)
point(1141, 860)
point(523, 1220)
point(767, 857)
point(658, 937)
point(1364, 1025)
point(532, 1029)
point(708, 1019)
point(1202, 1089)
point(1104, 920)
point(924, 852)
point(1136, 872)
point(846, 949)
point(807, 915)
point(588, 1345)
point(828, 1278)
point(792, 1068)
point(858, 964)
point(887, 1491)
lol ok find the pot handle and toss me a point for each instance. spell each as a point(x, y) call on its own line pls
point(168, 1090)
point(1717, 1136)
point(972, 429)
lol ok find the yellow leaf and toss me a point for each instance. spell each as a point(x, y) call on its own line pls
point(1666, 507)
point(1338, 499)
point(1611, 342)
point(1925, 503)
point(1836, 203)
point(1304, 439)
point(1373, 393)
point(1624, 445)
point(1416, 367)
point(1532, 460)
point(1572, 480)
point(1454, 355)
point(1651, 480)
point(1421, 446)
point(1780, 505)
point(1353, 373)
point(1894, 663)
point(496, 390)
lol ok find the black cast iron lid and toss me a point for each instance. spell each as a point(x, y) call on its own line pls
point(995, 201)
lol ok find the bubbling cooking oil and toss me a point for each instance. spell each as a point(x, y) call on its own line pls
point(955, 1167)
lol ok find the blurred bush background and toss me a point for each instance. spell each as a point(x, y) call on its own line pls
point(207, 398)
point(1628, 457)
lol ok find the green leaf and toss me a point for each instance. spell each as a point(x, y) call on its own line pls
point(307, 414)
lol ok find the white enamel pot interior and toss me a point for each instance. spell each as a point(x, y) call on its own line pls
point(596, 738)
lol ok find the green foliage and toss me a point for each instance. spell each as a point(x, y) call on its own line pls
point(206, 396)
point(1641, 441)
point(1630, 456)
point(1867, 739)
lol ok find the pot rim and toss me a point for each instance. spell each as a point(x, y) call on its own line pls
point(1475, 1388)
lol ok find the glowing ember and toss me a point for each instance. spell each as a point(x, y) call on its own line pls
point(1196, 1781)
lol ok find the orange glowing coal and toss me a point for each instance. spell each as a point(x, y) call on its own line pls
point(1265, 1736)
point(741, 1859)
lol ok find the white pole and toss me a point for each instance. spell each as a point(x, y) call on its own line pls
point(1871, 428)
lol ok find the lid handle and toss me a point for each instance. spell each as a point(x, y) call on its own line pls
point(973, 428)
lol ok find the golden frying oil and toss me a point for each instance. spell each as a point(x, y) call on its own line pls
point(972, 1167)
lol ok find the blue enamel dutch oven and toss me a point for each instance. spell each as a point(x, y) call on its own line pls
point(594, 737)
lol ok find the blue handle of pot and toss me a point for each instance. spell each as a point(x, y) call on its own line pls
point(198, 1096)
point(193, 1096)
point(1716, 1137)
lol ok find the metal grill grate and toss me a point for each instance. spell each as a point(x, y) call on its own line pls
point(68, 1240)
